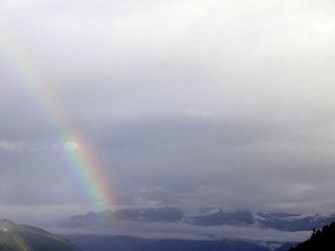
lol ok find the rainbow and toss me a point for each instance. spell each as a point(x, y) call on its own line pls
point(80, 154)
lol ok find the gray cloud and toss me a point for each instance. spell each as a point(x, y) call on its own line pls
point(184, 102)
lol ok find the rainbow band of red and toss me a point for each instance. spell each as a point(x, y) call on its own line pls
point(82, 158)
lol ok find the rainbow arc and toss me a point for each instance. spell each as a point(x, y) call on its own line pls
point(80, 153)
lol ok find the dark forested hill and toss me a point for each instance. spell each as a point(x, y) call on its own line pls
point(322, 239)
point(14, 237)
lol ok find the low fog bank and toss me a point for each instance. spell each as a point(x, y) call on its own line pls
point(160, 230)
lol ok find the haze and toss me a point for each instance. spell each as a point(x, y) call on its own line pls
point(201, 103)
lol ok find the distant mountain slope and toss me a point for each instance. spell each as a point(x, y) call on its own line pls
point(193, 245)
point(14, 237)
point(222, 218)
point(280, 221)
point(323, 239)
point(107, 243)
point(165, 214)
point(128, 243)
point(293, 222)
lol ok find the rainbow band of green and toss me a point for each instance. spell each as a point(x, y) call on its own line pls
point(82, 159)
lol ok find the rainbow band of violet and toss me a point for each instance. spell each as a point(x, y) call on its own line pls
point(81, 157)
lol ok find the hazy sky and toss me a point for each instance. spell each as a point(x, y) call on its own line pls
point(197, 103)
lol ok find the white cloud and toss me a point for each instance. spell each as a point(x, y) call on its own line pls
point(71, 146)
point(11, 146)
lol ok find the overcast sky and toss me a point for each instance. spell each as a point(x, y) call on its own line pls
point(192, 103)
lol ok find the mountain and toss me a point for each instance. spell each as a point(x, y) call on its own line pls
point(150, 214)
point(222, 218)
point(322, 239)
point(14, 237)
point(127, 243)
point(167, 214)
point(107, 242)
point(293, 222)
point(279, 221)
point(174, 229)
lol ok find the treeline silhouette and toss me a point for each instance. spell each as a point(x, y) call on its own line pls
point(321, 239)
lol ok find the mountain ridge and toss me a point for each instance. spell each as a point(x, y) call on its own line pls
point(279, 221)
point(321, 239)
point(17, 237)
point(129, 243)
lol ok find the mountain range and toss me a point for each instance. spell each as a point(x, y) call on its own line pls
point(15, 237)
point(167, 228)
point(207, 217)
point(129, 243)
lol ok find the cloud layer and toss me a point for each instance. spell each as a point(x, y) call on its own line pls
point(188, 103)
